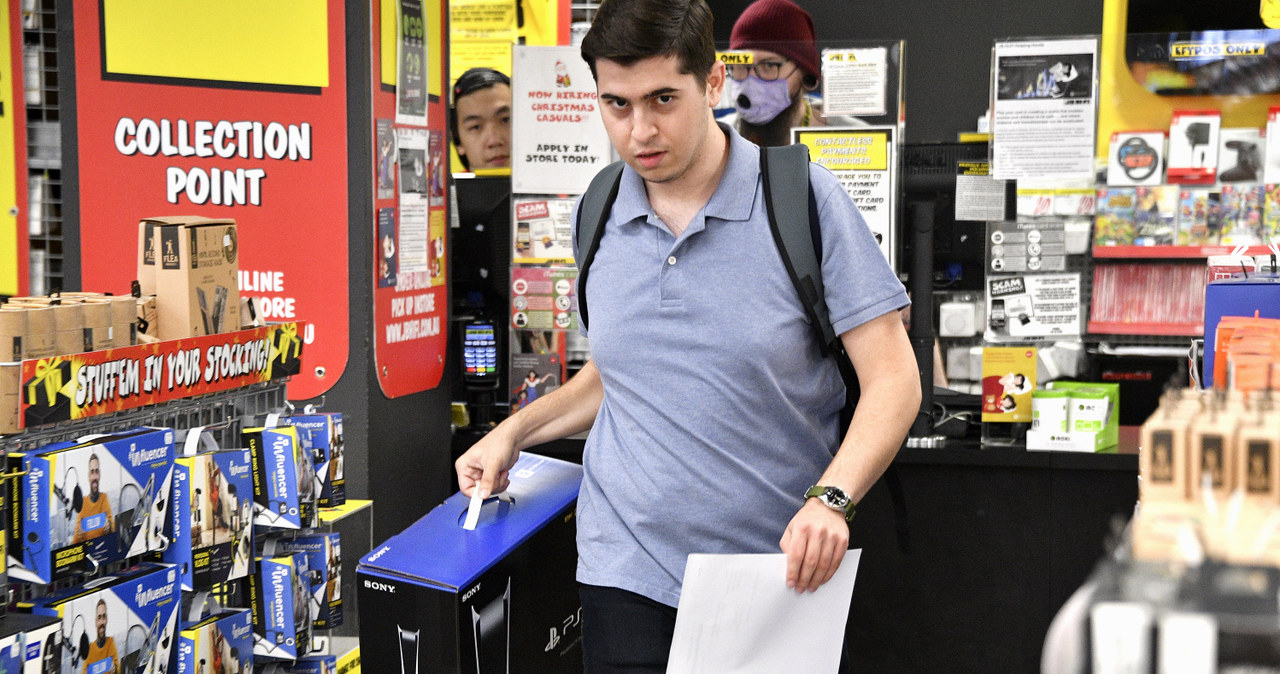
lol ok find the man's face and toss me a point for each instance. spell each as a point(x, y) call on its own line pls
point(95, 474)
point(484, 127)
point(657, 116)
point(101, 621)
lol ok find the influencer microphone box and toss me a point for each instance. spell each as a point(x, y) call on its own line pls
point(86, 504)
point(499, 598)
point(123, 622)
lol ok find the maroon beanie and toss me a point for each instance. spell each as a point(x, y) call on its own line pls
point(779, 26)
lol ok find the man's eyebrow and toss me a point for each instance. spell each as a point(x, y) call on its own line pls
point(506, 109)
point(664, 91)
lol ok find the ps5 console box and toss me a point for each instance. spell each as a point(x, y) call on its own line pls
point(88, 504)
point(499, 598)
point(222, 642)
point(123, 622)
point(197, 264)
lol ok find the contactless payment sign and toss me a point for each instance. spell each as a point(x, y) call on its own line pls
point(235, 109)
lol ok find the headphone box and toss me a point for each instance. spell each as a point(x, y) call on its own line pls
point(124, 622)
point(322, 435)
point(324, 564)
point(284, 494)
point(89, 503)
point(30, 644)
point(222, 642)
point(278, 594)
point(437, 597)
point(211, 529)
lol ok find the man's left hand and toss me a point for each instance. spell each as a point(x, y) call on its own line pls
point(815, 542)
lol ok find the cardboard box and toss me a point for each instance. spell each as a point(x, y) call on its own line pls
point(281, 620)
point(322, 435)
point(499, 598)
point(324, 561)
point(30, 644)
point(69, 333)
point(211, 530)
point(39, 340)
point(283, 479)
point(197, 265)
point(66, 529)
point(98, 323)
point(145, 319)
point(124, 323)
point(219, 643)
point(140, 606)
point(147, 255)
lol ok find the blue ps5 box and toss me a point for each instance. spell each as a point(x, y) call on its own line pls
point(281, 617)
point(89, 503)
point(284, 490)
point(324, 571)
point(499, 598)
point(1258, 295)
point(124, 622)
point(211, 529)
point(220, 643)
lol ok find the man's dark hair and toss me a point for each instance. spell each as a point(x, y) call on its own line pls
point(627, 31)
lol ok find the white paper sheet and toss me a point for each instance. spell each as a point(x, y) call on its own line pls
point(737, 615)
point(473, 510)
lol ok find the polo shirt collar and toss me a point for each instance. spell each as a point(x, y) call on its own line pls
point(733, 198)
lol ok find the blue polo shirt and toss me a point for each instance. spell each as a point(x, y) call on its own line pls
point(719, 409)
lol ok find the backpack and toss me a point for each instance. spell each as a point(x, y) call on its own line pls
point(785, 172)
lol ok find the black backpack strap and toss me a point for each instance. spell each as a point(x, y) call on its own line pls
point(787, 198)
point(593, 212)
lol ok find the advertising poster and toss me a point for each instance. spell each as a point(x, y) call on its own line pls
point(978, 196)
point(1034, 245)
point(407, 219)
point(101, 382)
point(854, 81)
point(544, 298)
point(1044, 109)
point(411, 82)
point(558, 140)
point(1008, 378)
point(865, 161)
point(533, 375)
point(543, 231)
point(257, 134)
point(1032, 307)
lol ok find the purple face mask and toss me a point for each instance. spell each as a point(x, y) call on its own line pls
point(758, 101)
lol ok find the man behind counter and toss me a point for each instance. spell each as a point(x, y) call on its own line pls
point(480, 120)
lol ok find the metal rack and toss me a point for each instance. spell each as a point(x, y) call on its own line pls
point(44, 145)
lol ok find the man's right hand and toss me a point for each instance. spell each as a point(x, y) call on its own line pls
point(487, 464)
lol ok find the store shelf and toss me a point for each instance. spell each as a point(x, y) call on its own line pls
point(1170, 252)
point(1158, 329)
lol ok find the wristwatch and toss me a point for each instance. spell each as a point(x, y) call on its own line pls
point(834, 498)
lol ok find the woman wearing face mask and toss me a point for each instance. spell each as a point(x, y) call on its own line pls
point(777, 91)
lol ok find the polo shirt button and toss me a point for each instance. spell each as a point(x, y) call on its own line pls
point(671, 260)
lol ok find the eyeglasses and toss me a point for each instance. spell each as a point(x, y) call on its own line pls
point(765, 70)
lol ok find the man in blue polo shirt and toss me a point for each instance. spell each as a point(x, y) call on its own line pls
point(712, 411)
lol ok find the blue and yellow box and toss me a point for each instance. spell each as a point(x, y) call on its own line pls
point(124, 622)
point(91, 503)
point(211, 529)
point(281, 620)
point(222, 642)
point(324, 563)
point(284, 492)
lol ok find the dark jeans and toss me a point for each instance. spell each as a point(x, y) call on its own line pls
point(626, 632)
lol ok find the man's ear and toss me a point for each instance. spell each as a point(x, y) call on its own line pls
point(715, 83)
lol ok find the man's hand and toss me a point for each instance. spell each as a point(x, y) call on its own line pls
point(486, 465)
point(814, 542)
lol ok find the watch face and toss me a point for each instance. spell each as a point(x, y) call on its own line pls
point(835, 498)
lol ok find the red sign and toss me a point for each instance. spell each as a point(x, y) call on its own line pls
point(410, 308)
point(162, 136)
point(82, 385)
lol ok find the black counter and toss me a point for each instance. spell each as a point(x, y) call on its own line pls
point(967, 571)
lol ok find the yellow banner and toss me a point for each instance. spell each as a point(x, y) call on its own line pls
point(482, 20)
point(388, 29)
point(279, 43)
point(9, 253)
point(848, 150)
point(433, 13)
